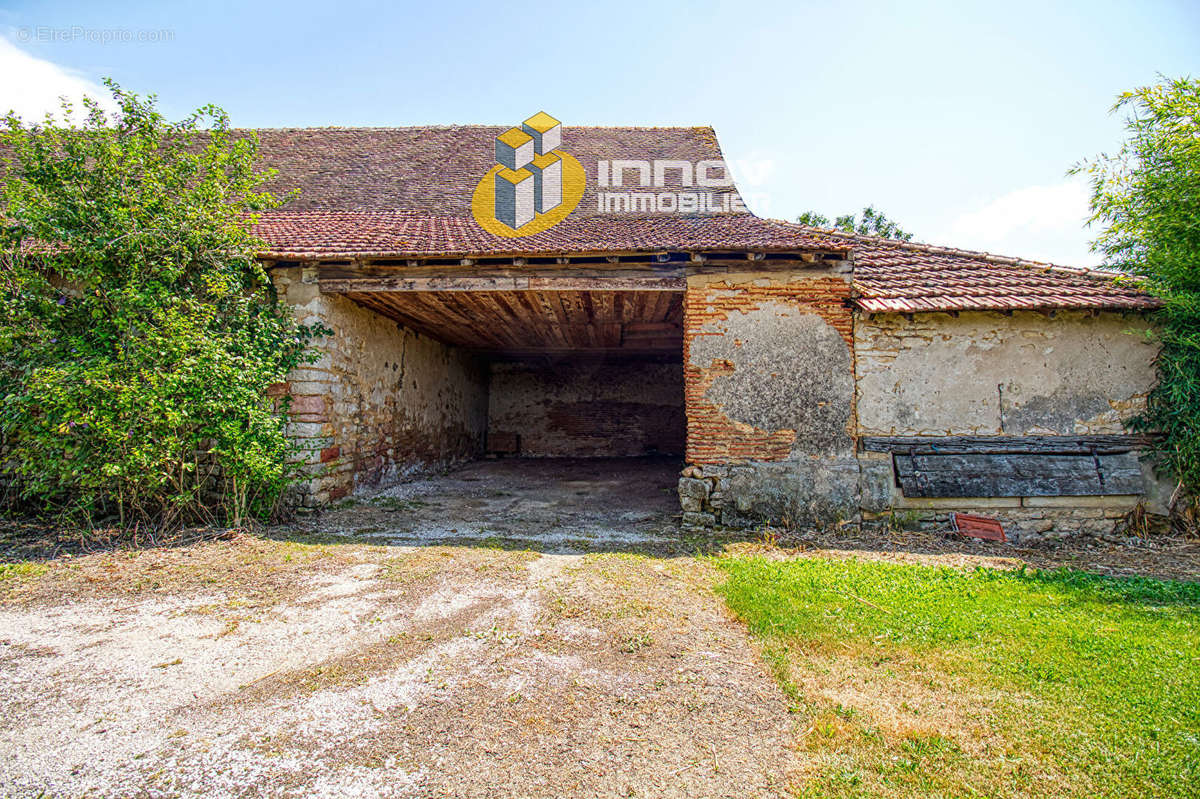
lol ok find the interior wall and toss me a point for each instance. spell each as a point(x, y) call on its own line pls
point(382, 401)
point(585, 409)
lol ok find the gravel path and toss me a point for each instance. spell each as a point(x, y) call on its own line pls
point(383, 671)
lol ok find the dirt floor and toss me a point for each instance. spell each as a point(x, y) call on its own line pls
point(557, 504)
point(517, 628)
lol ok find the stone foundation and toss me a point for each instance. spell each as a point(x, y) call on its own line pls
point(1023, 525)
point(804, 493)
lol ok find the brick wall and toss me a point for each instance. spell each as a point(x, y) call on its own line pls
point(769, 375)
point(587, 409)
point(714, 437)
point(381, 402)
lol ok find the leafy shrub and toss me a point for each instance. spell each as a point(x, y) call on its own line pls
point(1147, 197)
point(138, 333)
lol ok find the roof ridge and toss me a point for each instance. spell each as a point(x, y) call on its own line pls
point(472, 126)
point(980, 255)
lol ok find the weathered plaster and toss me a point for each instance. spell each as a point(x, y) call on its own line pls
point(781, 370)
point(992, 374)
point(1027, 374)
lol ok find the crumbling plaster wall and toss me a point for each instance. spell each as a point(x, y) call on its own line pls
point(589, 409)
point(992, 374)
point(769, 371)
point(986, 373)
point(381, 402)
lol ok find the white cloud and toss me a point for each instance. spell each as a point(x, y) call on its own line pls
point(1044, 223)
point(32, 86)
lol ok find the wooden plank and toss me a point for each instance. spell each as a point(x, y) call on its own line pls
point(506, 321)
point(576, 353)
point(675, 310)
point(1017, 475)
point(982, 444)
point(656, 284)
point(634, 330)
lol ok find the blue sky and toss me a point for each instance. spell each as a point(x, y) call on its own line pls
point(958, 119)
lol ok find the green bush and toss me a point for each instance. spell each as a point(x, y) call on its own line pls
point(138, 333)
point(1147, 197)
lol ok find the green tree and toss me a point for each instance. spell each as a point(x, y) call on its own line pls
point(868, 223)
point(138, 333)
point(1146, 197)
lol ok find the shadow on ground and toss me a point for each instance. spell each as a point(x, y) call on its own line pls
point(580, 505)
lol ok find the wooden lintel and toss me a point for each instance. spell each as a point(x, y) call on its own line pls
point(1100, 443)
point(531, 283)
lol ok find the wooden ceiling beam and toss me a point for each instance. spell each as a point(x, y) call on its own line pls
point(395, 283)
point(491, 322)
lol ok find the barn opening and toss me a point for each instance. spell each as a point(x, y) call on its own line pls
point(573, 372)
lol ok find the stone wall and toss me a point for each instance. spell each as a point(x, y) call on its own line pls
point(588, 409)
point(769, 372)
point(381, 402)
point(991, 374)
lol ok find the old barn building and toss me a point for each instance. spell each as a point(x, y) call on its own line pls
point(797, 374)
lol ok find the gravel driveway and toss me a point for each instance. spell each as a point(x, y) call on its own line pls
point(259, 666)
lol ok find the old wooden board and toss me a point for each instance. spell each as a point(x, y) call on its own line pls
point(1017, 475)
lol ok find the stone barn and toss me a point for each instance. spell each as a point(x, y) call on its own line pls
point(798, 375)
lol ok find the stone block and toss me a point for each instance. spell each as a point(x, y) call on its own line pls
point(1125, 501)
point(814, 492)
point(693, 493)
point(875, 484)
point(299, 430)
point(956, 503)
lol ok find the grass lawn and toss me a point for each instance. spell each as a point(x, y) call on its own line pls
point(926, 681)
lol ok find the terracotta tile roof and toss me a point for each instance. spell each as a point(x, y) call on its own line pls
point(383, 234)
point(396, 192)
point(383, 192)
point(906, 277)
